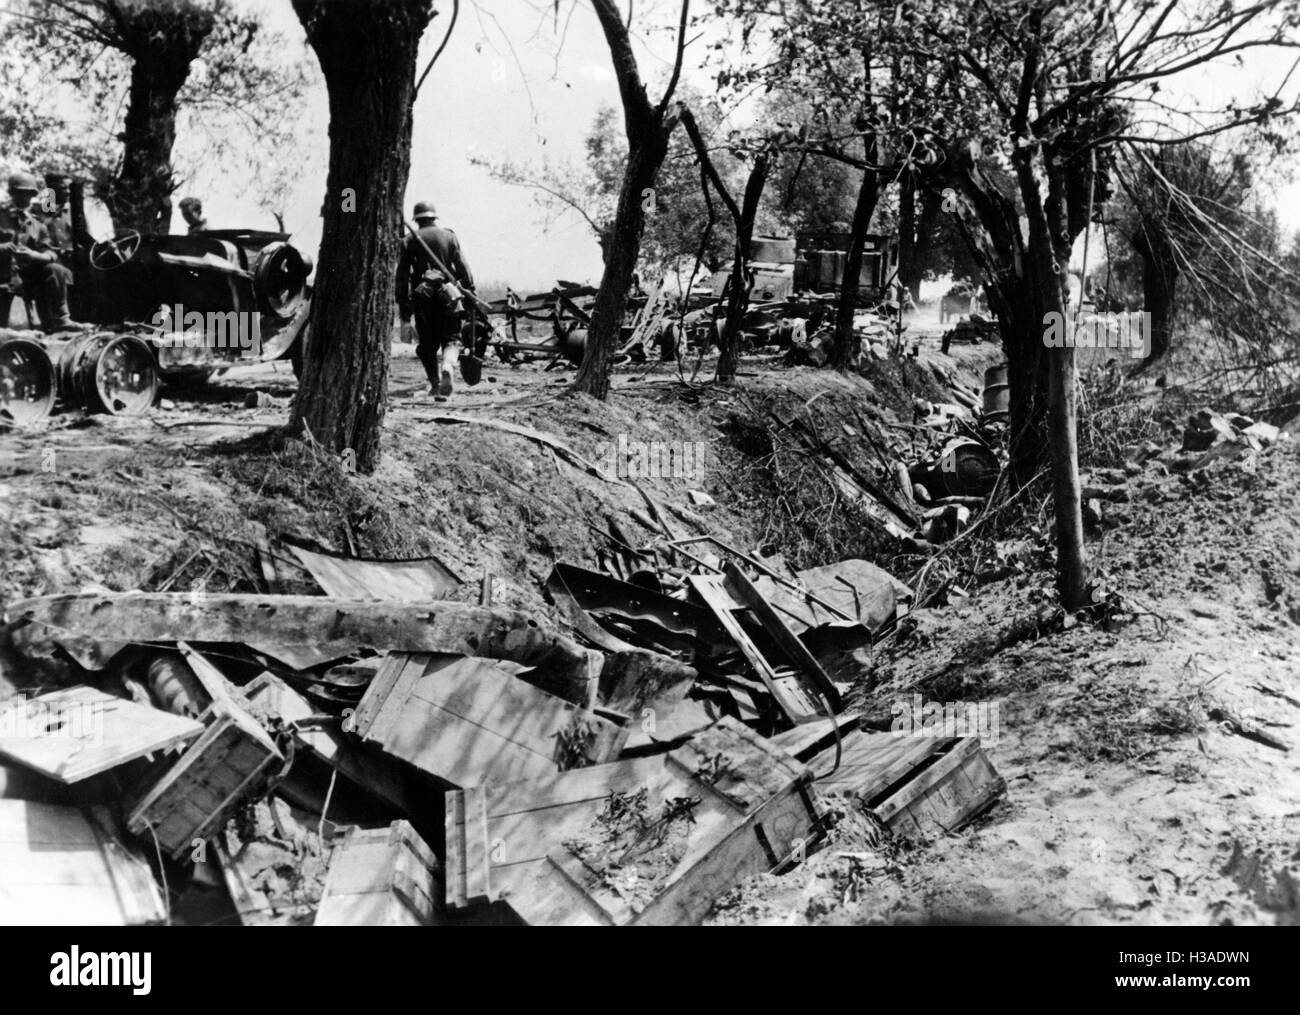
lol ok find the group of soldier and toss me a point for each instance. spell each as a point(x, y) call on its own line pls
point(435, 286)
point(36, 246)
point(35, 239)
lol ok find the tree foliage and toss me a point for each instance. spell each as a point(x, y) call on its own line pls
point(134, 76)
point(590, 189)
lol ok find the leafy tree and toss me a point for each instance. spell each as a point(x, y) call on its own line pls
point(1198, 236)
point(809, 192)
point(591, 190)
point(1060, 89)
point(865, 98)
point(141, 72)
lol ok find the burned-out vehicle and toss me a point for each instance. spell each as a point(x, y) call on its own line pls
point(203, 301)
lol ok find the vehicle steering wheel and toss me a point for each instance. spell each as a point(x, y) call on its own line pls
point(106, 255)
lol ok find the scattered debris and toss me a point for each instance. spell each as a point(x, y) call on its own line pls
point(633, 773)
point(418, 580)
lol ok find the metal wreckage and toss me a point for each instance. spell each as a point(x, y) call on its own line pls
point(155, 307)
point(182, 754)
point(369, 742)
point(794, 285)
point(374, 742)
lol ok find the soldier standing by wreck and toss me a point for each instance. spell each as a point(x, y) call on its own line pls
point(28, 262)
point(192, 213)
point(58, 213)
point(432, 277)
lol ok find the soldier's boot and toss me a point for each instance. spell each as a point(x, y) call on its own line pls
point(52, 297)
point(450, 354)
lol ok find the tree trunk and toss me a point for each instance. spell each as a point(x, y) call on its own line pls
point(1159, 287)
point(990, 226)
point(909, 244)
point(1047, 264)
point(603, 337)
point(850, 283)
point(738, 297)
point(648, 129)
point(367, 52)
point(162, 42)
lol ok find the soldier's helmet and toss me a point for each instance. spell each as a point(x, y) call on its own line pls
point(188, 203)
point(424, 210)
point(23, 181)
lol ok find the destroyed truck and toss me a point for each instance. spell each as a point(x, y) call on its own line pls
point(156, 307)
point(812, 262)
point(202, 302)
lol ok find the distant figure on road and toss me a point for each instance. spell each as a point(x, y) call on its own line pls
point(192, 213)
point(431, 289)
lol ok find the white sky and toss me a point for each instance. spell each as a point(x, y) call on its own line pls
point(525, 102)
point(475, 101)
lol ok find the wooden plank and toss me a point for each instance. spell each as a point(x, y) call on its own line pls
point(878, 761)
point(93, 628)
point(795, 650)
point(383, 877)
point(479, 847)
point(807, 739)
point(948, 793)
point(417, 580)
point(72, 734)
point(61, 867)
point(457, 876)
point(522, 821)
point(465, 722)
point(790, 697)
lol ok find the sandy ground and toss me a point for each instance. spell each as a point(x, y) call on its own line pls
point(1126, 802)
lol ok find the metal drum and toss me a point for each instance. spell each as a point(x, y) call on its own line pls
point(965, 468)
point(110, 373)
point(997, 393)
point(280, 280)
point(26, 382)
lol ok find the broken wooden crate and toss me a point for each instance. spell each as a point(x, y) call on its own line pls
point(919, 785)
point(73, 734)
point(229, 764)
point(278, 704)
point(381, 877)
point(653, 840)
point(60, 866)
point(464, 721)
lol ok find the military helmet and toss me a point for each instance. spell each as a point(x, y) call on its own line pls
point(425, 210)
point(23, 181)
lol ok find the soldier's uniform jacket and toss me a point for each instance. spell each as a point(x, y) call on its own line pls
point(23, 228)
point(58, 224)
point(414, 265)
